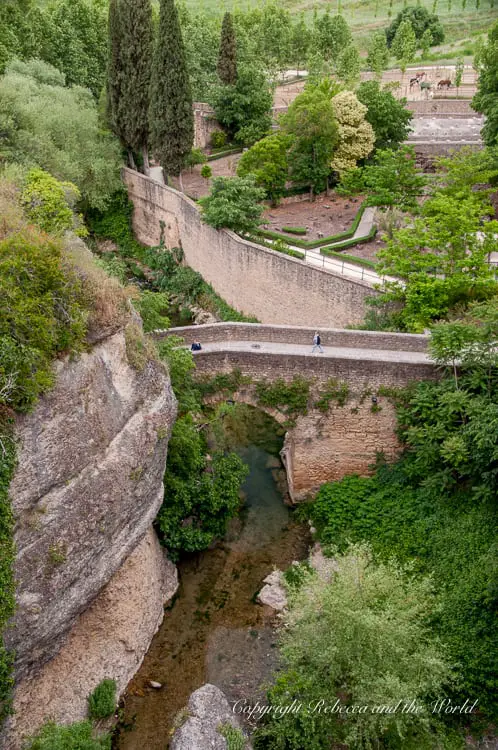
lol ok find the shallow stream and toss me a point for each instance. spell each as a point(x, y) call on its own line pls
point(214, 631)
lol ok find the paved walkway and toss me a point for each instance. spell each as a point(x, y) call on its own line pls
point(345, 268)
point(329, 352)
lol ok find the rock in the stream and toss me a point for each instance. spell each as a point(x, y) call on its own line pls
point(208, 710)
point(273, 592)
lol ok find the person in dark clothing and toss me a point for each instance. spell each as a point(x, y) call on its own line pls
point(196, 347)
point(317, 343)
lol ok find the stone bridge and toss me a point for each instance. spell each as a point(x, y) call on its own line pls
point(320, 446)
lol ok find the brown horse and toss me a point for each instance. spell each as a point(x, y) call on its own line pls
point(444, 84)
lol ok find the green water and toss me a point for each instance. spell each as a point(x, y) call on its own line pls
point(214, 631)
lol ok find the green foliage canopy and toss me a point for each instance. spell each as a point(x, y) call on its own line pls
point(421, 20)
point(244, 108)
point(45, 124)
point(362, 639)
point(388, 116)
point(486, 98)
point(267, 161)
point(234, 203)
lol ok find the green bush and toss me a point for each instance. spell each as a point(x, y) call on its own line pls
point(289, 397)
point(153, 309)
point(42, 316)
point(234, 737)
point(332, 391)
point(49, 203)
point(218, 138)
point(71, 737)
point(206, 172)
point(102, 701)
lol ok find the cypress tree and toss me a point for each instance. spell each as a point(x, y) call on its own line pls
point(171, 115)
point(227, 58)
point(135, 20)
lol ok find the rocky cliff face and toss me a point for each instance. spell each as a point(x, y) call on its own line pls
point(87, 488)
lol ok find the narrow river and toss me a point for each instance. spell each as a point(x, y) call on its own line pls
point(214, 631)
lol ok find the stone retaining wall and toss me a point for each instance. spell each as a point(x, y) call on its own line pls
point(271, 286)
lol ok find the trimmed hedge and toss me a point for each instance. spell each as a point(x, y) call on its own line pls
point(295, 230)
point(225, 152)
point(312, 244)
point(332, 251)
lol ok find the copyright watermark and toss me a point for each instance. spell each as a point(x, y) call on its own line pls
point(256, 711)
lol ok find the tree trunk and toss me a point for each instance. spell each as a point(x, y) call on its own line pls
point(180, 179)
point(145, 154)
point(131, 159)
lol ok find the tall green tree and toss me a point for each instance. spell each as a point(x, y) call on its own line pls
point(486, 98)
point(135, 22)
point(267, 161)
point(227, 59)
point(300, 43)
point(333, 35)
point(311, 123)
point(404, 44)
point(244, 108)
point(171, 115)
point(378, 54)
point(388, 116)
point(348, 66)
point(421, 20)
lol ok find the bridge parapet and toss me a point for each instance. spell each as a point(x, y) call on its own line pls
point(299, 335)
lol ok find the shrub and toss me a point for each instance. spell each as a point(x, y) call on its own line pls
point(140, 350)
point(234, 203)
point(49, 203)
point(7, 555)
point(332, 391)
point(218, 139)
point(289, 397)
point(421, 20)
point(234, 737)
point(153, 309)
point(102, 701)
point(206, 172)
point(71, 737)
point(361, 639)
point(196, 156)
point(42, 315)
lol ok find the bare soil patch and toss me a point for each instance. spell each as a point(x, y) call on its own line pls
point(196, 186)
point(323, 217)
point(367, 250)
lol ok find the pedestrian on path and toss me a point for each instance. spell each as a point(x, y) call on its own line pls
point(317, 343)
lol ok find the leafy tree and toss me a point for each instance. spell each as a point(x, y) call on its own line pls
point(275, 34)
point(78, 42)
point(201, 36)
point(49, 203)
point(420, 19)
point(77, 736)
point(267, 161)
point(388, 116)
point(486, 98)
point(245, 108)
point(310, 121)
point(392, 179)
point(332, 34)
point(356, 135)
point(300, 42)
point(227, 59)
point(404, 44)
point(135, 26)
point(234, 203)
point(348, 66)
point(426, 42)
point(54, 127)
point(171, 115)
point(360, 639)
point(378, 53)
point(206, 172)
point(442, 258)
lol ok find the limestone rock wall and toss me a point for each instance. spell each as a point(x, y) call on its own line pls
point(87, 488)
point(109, 639)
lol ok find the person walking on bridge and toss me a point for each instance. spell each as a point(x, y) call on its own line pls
point(317, 343)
